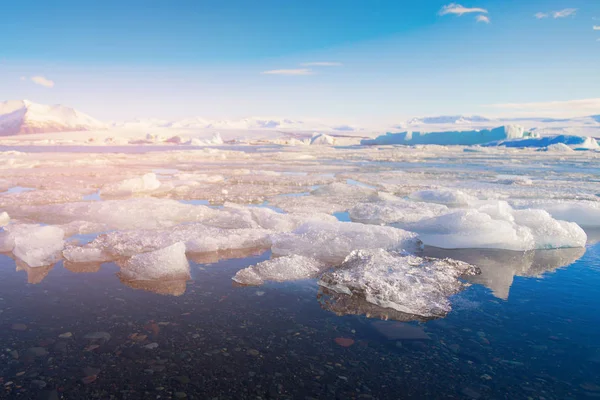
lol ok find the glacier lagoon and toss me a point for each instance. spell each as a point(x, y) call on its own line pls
point(299, 272)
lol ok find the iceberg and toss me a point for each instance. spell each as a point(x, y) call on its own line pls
point(576, 142)
point(499, 226)
point(406, 283)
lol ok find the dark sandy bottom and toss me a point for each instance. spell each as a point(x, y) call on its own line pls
point(83, 334)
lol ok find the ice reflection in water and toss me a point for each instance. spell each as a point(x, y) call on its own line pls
point(499, 267)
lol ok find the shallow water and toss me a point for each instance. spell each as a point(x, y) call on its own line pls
point(534, 336)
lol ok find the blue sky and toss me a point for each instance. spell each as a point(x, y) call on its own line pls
point(389, 60)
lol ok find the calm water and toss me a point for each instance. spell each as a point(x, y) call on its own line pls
point(78, 332)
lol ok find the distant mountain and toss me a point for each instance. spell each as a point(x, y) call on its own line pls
point(448, 119)
point(250, 123)
point(20, 117)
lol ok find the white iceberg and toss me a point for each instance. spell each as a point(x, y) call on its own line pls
point(144, 184)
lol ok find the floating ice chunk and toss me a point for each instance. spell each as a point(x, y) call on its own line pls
point(405, 283)
point(33, 244)
point(331, 242)
point(144, 184)
point(197, 238)
point(449, 197)
point(77, 254)
point(4, 218)
point(169, 263)
point(399, 211)
point(498, 226)
point(280, 269)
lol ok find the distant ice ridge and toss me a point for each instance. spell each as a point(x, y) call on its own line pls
point(507, 136)
point(461, 138)
point(406, 283)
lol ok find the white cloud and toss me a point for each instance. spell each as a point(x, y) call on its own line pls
point(23, 78)
point(564, 13)
point(40, 80)
point(558, 109)
point(457, 9)
point(596, 27)
point(483, 18)
point(541, 15)
point(299, 71)
point(321, 64)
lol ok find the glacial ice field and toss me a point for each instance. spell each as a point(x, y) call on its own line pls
point(422, 237)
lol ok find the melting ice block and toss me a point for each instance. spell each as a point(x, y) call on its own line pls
point(169, 263)
point(583, 213)
point(35, 245)
point(331, 242)
point(498, 226)
point(280, 269)
point(406, 283)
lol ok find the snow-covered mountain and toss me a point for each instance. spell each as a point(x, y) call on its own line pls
point(250, 123)
point(18, 117)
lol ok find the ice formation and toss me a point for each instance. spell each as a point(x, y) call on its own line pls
point(405, 283)
point(464, 138)
point(331, 242)
point(169, 263)
point(498, 226)
point(399, 212)
point(280, 269)
point(448, 197)
point(35, 245)
point(143, 184)
point(584, 213)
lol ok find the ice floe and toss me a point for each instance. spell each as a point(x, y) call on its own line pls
point(169, 263)
point(35, 245)
point(405, 283)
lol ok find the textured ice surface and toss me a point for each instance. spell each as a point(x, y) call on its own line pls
point(405, 283)
point(35, 245)
point(169, 263)
point(143, 184)
point(398, 211)
point(331, 242)
point(498, 226)
point(449, 197)
point(280, 269)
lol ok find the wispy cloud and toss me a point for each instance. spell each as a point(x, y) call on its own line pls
point(457, 9)
point(541, 15)
point(596, 27)
point(322, 64)
point(567, 12)
point(483, 18)
point(558, 109)
point(40, 80)
point(298, 71)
